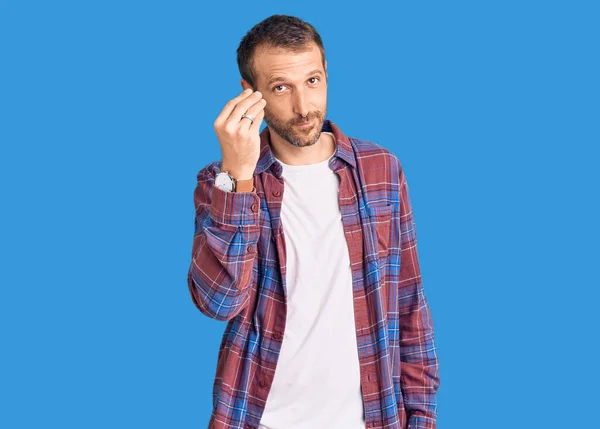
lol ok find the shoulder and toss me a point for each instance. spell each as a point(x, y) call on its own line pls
point(371, 156)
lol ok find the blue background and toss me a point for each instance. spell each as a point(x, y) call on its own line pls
point(106, 116)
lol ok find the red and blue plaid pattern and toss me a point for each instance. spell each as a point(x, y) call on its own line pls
point(237, 274)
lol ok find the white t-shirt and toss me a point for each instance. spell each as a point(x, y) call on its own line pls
point(317, 379)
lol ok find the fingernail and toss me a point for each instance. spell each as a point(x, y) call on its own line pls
point(248, 91)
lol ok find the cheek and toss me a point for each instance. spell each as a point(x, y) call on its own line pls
point(270, 113)
point(276, 108)
point(320, 99)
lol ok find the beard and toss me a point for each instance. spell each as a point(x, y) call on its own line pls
point(294, 135)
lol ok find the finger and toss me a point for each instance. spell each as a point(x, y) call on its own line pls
point(255, 125)
point(230, 105)
point(243, 106)
point(253, 111)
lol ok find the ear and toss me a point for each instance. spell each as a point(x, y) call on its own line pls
point(245, 84)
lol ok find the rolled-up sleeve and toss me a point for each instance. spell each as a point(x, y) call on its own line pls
point(224, 248)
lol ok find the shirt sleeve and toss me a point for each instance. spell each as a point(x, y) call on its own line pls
point(419, 376)
point(224, 248)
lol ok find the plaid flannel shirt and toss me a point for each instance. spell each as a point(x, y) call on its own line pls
point(237, 274)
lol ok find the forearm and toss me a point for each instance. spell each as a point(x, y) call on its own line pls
point(224, 250)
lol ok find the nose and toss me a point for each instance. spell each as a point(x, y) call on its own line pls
point(300, 103)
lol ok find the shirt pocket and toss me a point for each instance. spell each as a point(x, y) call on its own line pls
point(381, 217)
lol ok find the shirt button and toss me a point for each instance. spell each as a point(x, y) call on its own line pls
point(250, 249)
point(263, 383)
point(254, 207)
point(276, 193)
point(277, 335)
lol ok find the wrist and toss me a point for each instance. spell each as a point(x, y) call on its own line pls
point(228, 182)
point(238, 173)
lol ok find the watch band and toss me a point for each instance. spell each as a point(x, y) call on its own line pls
point(244, 185)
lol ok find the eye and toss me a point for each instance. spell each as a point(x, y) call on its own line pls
point(315, 78)
point(278, 86)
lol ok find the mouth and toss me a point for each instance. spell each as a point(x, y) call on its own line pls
point(304, 124)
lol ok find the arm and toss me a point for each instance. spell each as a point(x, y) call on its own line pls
point(419, 375)
point(224, 248)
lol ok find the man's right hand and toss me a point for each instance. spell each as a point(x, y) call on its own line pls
point(239, 137)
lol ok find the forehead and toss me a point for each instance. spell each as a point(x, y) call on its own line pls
point(270, 62)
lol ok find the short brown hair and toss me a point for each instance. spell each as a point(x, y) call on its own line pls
point(280, 31)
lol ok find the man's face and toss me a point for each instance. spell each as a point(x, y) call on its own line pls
point(294, 85)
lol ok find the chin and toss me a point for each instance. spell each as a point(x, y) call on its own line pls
point(305, 143)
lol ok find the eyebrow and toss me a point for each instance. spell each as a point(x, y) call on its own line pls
point(281, 79)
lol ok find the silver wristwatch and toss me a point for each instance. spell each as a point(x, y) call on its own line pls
point(224, 181)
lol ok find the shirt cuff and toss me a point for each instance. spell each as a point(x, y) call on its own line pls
point(234, 208)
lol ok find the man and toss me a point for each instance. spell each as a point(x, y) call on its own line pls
point(305, 243)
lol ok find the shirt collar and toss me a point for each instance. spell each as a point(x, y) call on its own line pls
point(267, 159)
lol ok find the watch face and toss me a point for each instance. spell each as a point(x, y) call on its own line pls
point(223, 181)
